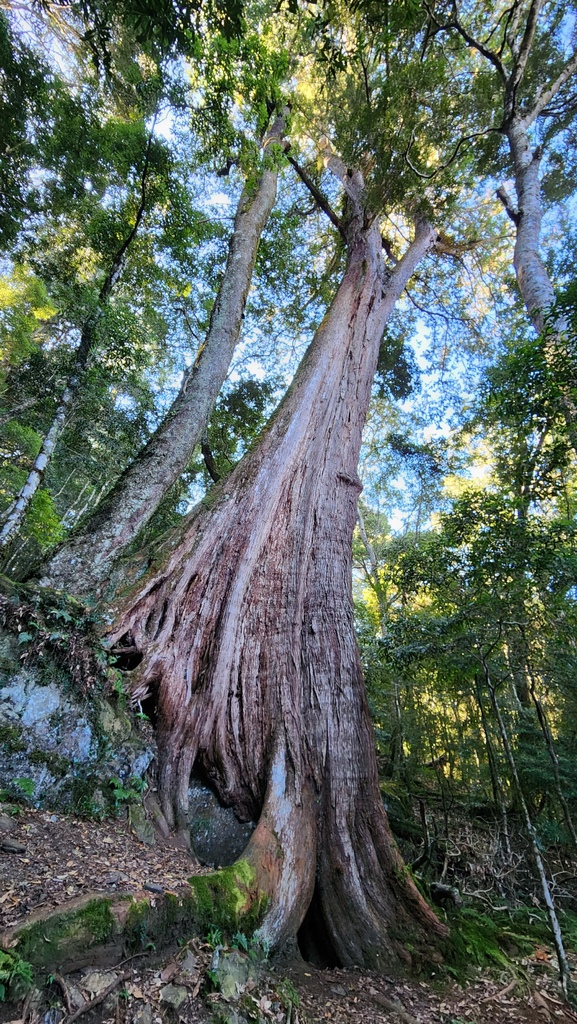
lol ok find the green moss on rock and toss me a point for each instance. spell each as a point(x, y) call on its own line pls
point(160, 923)
point(11, 740)
point(56, 939)
point(475, 941)
point(58, 766)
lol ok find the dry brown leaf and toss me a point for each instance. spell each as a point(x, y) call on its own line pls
point(168, 972)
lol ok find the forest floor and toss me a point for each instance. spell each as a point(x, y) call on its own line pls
point(65, 857)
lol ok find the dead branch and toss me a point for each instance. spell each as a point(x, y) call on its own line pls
point(394, 1006)
point(97, 999)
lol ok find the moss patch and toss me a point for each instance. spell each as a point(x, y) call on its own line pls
point(228, 899)
point(475, 941)
point(58, 766)
point(154, 926)
point(11, 739)
point(49, 943)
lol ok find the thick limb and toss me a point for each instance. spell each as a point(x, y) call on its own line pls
point(83, 564)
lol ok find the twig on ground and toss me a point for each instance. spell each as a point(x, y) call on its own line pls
point(504, 992)
point(64, 989)
point(133, 957)
point(97, 999)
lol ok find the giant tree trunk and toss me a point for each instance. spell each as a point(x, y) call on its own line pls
point(84, 562)
point(247, 638)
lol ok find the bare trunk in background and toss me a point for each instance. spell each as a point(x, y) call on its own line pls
point(532, 276)
point(15, 515)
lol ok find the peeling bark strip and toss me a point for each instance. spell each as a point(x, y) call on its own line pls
point(248, 641)
point(84, 562)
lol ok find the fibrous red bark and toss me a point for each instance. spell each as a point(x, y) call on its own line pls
point(247, 636)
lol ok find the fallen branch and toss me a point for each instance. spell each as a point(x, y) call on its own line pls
point(541, 1005)
point(64, 989)
point(504, 992)
point(97, 999)
point(133, 957)
point(481, 896)
point(394, 1006)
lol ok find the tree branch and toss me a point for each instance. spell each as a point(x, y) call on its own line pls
point(425, 236)
point(546, 94)
point(490, 55)
point(97, 999)
point(510, 210)
point(454, 155)
point(366, 81)
point(208, 457)
point(510, 35)
point(524, 51)
point(318, 196)
point(117, 262)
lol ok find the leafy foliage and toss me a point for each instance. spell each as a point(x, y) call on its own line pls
point(15, 976)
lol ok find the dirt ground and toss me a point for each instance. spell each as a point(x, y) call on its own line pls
point(64, 857)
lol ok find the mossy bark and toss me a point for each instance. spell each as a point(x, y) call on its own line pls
point(95, 930)
point(85, 931)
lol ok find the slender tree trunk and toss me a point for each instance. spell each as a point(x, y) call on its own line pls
point(396, 746)
point(16, 513)
point(532, 277)
point(496, 781)
point(84, 562)
point(564, 971)
point(548, 737)
point(247, 637)
point(525, 689)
